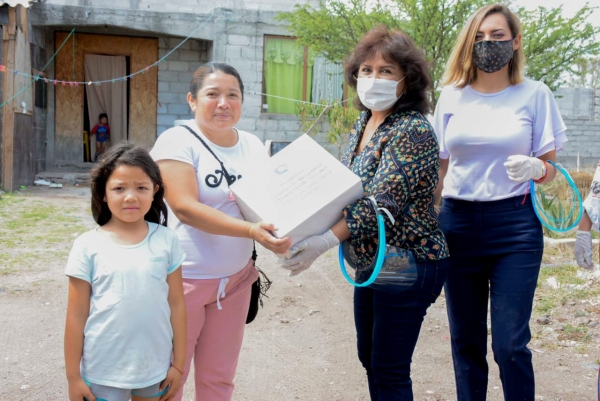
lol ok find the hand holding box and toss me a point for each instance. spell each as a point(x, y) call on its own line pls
point(302, 190)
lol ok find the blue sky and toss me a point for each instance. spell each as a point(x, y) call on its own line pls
point(570, 7)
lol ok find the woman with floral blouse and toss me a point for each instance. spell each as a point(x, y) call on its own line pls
point(394, 150)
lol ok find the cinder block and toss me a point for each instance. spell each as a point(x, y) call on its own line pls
point(178, 65)
point(168, 76)
point(289, 125)
point(195, 44)
point(251, 100)
point(189, 55)
point(181, 109)
point(252, 53)
point(177, 87)
point(251, 112)
point(172, 55)
point(276, 136)
point(166, 119)
point(162, 109)
point(186, 77)
point(182, 98)
point(163, 86)
point(272, 125)
point(233, 52)
point(261, 124)
point(239, 40)
point(247, 124)
point(173, 42)
point(168, 97)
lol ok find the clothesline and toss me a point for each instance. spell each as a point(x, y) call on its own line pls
point(112, 80)
point(37, 77)
point(300, 101)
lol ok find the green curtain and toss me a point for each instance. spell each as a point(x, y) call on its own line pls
point(284, 66)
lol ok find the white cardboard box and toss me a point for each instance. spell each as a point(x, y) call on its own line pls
point(302, 190)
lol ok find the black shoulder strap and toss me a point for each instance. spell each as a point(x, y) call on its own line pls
point(230, 179)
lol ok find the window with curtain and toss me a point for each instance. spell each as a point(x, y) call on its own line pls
point(288, 74)
point(292, 71)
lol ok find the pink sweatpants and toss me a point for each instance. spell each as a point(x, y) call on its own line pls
point(214, 335)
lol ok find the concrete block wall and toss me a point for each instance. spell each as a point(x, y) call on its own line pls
point(580, 108)
point(184, 6)
point(174, 76)
point(575, 102)
point(584, 140)
point(244, 51)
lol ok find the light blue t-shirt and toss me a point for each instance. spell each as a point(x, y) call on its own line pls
point(128, 334)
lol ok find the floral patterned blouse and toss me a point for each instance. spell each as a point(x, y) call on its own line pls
point(399, 167)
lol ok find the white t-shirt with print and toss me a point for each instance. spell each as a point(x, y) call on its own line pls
point(211, 256)
point(128, 334)
point(479, 131)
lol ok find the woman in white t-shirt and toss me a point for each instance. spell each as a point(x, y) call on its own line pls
point(489, 121)
point(198, 161)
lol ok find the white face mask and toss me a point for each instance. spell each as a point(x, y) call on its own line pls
point(377, 94)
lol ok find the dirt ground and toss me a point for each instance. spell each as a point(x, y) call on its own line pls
point(302, 344)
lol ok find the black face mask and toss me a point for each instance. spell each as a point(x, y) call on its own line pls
point(492, 55)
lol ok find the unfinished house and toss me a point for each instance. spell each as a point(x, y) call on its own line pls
point(84, 53)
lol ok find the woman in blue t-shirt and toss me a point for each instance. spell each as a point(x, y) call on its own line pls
point(489, 121)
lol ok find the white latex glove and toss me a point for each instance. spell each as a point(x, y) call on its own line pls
point(583, 250)
point(524, 168)
point(305, 252)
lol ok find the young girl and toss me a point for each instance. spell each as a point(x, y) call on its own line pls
point(126, 313)
point(102, 132)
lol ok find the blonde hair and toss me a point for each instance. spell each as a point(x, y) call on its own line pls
point(460, 70)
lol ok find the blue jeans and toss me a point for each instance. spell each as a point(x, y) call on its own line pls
point(495, 252)
point(387, 328)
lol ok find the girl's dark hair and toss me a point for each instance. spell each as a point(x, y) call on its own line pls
point(211, 68)
point(395, 47)
point(126, 154)
point(103, 115)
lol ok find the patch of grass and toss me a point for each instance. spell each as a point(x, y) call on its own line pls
point(547, 299)
point(5, 271)
point(545, 305)
point(573, 333)
point(33, 231)
point(549, 345)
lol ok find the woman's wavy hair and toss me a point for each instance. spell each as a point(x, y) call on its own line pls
point(126, 154)
point(395, 47)
point(460, 69)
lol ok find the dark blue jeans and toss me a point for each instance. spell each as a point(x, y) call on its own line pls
point(387, 328)
point(495, 252)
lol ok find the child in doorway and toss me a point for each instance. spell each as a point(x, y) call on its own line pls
point(102, 132)
point(589, 220)
point(126, 318)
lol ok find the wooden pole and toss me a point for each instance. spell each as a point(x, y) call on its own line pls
point(8, 119)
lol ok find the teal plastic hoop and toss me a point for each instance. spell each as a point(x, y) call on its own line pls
point(539, 211)
point(380, 256)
